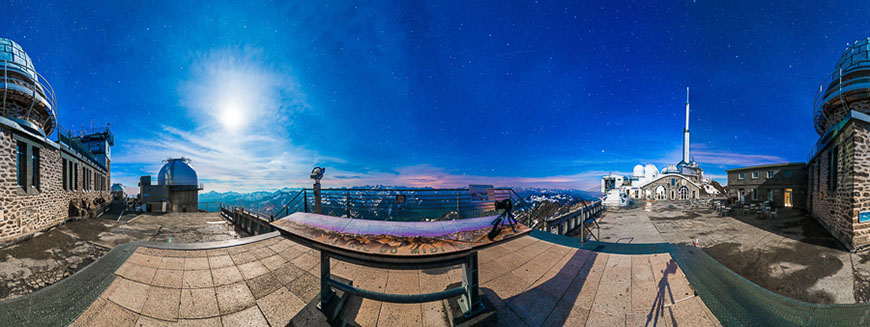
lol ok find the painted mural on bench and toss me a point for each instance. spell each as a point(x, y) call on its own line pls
point(395, 238)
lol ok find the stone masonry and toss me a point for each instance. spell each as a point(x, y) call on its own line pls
point(22, 214)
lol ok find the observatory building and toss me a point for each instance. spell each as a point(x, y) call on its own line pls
point(177, 188)
point(682, 181)
point(839, 164)
point(44, 181)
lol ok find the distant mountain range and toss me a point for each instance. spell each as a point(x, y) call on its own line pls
point(271, 202)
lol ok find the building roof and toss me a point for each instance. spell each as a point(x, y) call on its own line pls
point(767, 166)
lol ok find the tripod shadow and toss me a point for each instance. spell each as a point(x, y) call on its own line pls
point(658, 306)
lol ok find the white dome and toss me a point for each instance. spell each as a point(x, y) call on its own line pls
point(177, 172)
point(638, 171)
point(670, 169)
point(650, 171)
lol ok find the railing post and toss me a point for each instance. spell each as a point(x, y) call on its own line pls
point(470, 301)
point(347, 202)
point(305, 199)
point(458, 210)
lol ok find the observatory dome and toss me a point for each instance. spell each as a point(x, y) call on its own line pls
point(117, 188)
point(638, 171)
point(845, 89)
point(177, 172)
point(650, 171)
point(15, 57)
point(670, 169)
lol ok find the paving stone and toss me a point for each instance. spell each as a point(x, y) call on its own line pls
point(220, 261)
point(403, 282)
point(307, 262)
point(241, 258)
point(162, 303)
point(168, 278)
point(398, 314)
point(263, 285)
point(145, 321)
point(226, 275)
point(597, 319)
point(273, 262)
point(567, 314)
point(288, 273)
point(250, 317)
point(206, 322)
point(262, 253)
point(234, 297)
point(252, 269)
point(306, 286)
point(532, 306)
point(614, 292)
point(506, 286)
point(129, 294)
point(198, 263)
point(172, 263)
point(691, 312)
point(110, 314)
point(197, 279)
point(280, 306)
point(198, 303)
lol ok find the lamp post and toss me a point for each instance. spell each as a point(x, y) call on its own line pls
point(316, 175)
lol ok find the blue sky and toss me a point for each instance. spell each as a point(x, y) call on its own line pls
point(441, 94)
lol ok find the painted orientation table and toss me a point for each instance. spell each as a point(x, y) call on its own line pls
point(399, 245)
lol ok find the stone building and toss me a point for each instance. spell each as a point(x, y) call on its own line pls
point(671, 187)
point(43, 182)
point(784, 185)
point(839, 164)
point(177, 188)
point(682, 181)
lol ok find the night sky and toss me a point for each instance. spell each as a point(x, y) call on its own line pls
point(550, 94)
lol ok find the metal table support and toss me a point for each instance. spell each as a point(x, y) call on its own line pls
point(470, 301)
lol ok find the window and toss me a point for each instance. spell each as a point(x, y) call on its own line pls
point(65, 171)
point(832, 168)
point(770, 174)
point(787, 173)
point(21, 163)
point(75, 179)
point(770, 195)
point(740, 176)
point(754, 194)
point(754, 175)
point(673, 181)
point(35, 166)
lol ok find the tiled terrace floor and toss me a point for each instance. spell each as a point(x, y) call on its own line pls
point(531, 283)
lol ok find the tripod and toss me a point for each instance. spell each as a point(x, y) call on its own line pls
point(506, 217)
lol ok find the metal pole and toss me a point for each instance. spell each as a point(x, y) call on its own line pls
point(470, 301)
point(317, 207)
point(325, 276)
point(305, 199)
point(347, 202)
point(458, 212)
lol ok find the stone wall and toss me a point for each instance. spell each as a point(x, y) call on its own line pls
point(834, 208)
point(23, 213)
point(671, 191)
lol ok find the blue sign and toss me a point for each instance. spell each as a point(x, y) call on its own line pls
point(864, 216)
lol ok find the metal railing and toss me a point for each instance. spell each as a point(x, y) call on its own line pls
point(65, 137)
point(36, 89)
point(401, 204)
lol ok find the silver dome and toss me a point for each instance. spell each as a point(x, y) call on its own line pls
point(177, 172)
point(117, 188)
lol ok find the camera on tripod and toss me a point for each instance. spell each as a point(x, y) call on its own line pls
point(506, 217)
